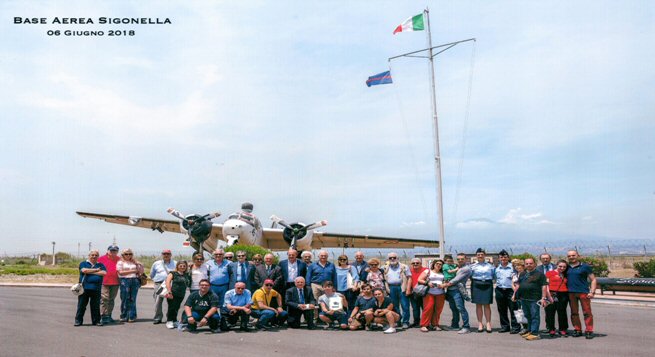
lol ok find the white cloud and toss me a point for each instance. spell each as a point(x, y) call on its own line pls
point(515, 217)
point(413, 224)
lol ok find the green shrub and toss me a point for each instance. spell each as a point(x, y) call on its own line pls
point(524, 256)
point(29, 270)
point(598, 266)
point(250, 251)
point(645, 269)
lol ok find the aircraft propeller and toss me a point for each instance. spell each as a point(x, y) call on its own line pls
point(295, 231)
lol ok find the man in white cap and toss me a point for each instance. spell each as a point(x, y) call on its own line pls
point(158, 273)
point(110, 284)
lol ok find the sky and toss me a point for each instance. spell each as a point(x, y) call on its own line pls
point(545, 123)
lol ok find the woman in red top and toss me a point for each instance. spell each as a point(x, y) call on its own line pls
point(416, 301)
point(557, 285)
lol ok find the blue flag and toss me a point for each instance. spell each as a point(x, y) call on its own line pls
point(380, 78)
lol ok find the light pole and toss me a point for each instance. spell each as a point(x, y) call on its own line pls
point(53, 253)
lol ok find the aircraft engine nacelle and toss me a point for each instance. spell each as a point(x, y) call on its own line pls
point(198, 227)
point(302, 235)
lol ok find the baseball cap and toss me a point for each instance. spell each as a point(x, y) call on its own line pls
point(166, 251)
point(113, 247)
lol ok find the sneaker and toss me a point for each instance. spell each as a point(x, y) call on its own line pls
point(170, 325)
point(563, 333)
point(216, 330)
point(463, 331)
point(99, 323)
point(405, 326)
point(390, 330)
point(588, 335)
point(531, 337)
point(424, 329)
point(123, 320)
point(438, 328)
point(552, 333)
point(525, 333)
point(77, 323)
point(576, 333)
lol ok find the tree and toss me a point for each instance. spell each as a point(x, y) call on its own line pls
point(524, 256)
point(598, 266)
point(250, 251)
point(645, 269)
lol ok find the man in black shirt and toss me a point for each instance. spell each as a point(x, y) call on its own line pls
point(533, 292)
point(201, 308)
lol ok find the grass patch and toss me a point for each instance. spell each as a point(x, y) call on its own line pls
point(31, 269)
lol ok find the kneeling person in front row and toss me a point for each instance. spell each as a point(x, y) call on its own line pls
point(261, 306)
point(362, 314)
point(333, 306)
point(201, 308)
point(236, 307)
point(300, 302)
point(383, 311)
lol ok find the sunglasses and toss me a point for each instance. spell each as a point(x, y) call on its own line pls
point(127, 253)
point(218, 254)
point(240, 256)
point(416, 263)
point(199, 259)
point(373, 265)
point(438, 263)
point(165, 253)
point(343, 260)
point(268, 284)
point(239, 288)
point(393, 258)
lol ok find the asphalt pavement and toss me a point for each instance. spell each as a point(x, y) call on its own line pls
point(39, 321)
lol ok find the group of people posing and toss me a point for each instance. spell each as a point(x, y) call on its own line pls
point(226, 293)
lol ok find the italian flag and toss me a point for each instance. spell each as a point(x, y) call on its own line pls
point(414, 23)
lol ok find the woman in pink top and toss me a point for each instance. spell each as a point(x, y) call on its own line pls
point(129, 269)
point(557, 285)
point(375, 277)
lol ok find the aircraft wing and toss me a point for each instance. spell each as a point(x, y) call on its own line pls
point(156, 224)
point(275, 241)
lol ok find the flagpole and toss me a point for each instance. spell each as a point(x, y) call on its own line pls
point(433, 102)
point(437, 155)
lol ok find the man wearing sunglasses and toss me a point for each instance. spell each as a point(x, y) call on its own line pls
point(236, 307)
point(261, 306)
point(158, 273)
point(241, 271)
point(396, 277)
point(218, 274)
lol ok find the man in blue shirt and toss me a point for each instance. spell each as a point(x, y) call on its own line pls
point(91, 273)
point(218, 273)
point(578, 277)
point(361, 265)
point(503, 276)
point(320, 272)
point(236, 306)
point(158, 273)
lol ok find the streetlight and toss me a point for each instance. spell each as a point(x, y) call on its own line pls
point(53, 253)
